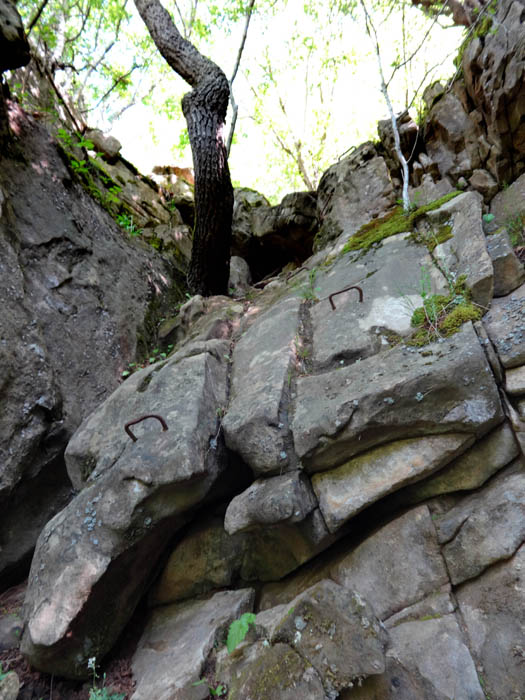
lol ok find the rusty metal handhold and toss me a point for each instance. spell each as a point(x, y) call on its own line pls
point(344, 290)
point(139, 420)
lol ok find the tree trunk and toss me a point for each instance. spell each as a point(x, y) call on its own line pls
point(205, 111)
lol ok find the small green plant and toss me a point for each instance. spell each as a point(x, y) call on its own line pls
point(100, 693)
point(514, 226)
point(125, 220)
point(155, 356)
point(442, 316)
point(309, 291)
point(3, 673)
point(79, 166)
point(214, 692)
point(238, 631)
point(112, 195)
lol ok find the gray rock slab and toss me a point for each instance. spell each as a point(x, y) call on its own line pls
point(178, 389)
point(390, 278)
point(485, 527)
point(510, 202)
point(493, 610)
point(331, 627)
point(509, 272)
point(443, 387)
point(397, 566)
point(471, 469)
point(466, 252)
point(178, 639)
point(505, 325)
point(346, 491)
point(285, 498)
point(255, 425)
point(95, 558)
point(273, 552)
point(263, 672)
point(515, 381)
point(432, 607)
point(426, 659)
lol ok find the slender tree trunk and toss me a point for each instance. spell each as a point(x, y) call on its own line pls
point(205, 111)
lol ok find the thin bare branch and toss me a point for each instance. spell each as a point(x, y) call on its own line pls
point(235, 109)
point(36, 16)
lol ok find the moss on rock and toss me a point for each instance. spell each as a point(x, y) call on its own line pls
point(396, 221)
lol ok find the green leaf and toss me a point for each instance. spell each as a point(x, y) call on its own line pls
point(487, 218)
point(238, 631)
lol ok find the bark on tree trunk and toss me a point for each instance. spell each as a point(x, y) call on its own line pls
point(205, 111)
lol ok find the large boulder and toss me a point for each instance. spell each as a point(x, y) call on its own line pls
point(425, 391)
point(95, 558)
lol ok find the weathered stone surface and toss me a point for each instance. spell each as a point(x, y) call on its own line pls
point(515, 381)
point(433, 606)
point(332, 628)
point(76, 294)
point(262, 672)
point(397, 566)
point(9, 686)
point(466, 252)
point(141, 195)
point(171, 654)
point(509, 272)
point(346, 491)
point(286, 498)
point(509, 203)
point(390, 279)
point(493, 610)
point(484, 183)
point(490, 352)
point(505, 325)
point(493, 69)
point(206, 558)
point(109, 146)
point(352, 192)
point(425, 659)
point(452, 137)
point(240, 276)
point(275, 551)
point(255, 425)
point(89, 568)
point(14, 49)
point(471, 469)
point(429, 190)
point(443, 387)
point(485, 527)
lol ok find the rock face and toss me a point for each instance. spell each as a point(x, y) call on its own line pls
point(76, 295)
point(489, 133)
point(352, 192)
point(329, 440)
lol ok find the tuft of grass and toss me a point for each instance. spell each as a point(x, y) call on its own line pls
point(442, 316)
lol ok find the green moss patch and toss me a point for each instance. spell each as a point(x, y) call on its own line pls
point(396, 221)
